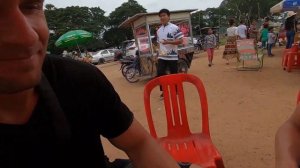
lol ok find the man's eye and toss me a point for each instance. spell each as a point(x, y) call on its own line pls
point(34, 6)
point(37, 5)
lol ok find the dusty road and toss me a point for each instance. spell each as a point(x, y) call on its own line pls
point(245, 108)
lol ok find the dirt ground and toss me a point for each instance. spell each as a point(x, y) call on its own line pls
point(245, 108)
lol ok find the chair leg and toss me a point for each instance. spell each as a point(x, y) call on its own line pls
point(285, 61)
point(220, 163)
point(290, 62)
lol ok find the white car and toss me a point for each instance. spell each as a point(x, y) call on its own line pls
point(103, 56)
point(130, 48)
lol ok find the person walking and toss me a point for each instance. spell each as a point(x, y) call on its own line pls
point(230, 47)
point(242, 30)
point(253, 32)
point(271, 41)
point(290, 29)
point(210, 44)
point(264, 36)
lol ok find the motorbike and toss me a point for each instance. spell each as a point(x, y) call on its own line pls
point(198, 46)
point(133, 71)
point(125, 63)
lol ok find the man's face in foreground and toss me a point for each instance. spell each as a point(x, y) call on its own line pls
point(23, 43)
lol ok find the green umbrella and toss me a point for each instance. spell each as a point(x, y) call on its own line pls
point(73, 38)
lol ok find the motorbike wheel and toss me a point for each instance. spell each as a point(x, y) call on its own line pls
point(197, 49)
point(132, 75)
point(124, 69)
point(182, 66)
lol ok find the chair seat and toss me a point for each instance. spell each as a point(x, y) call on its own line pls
point(196, 148)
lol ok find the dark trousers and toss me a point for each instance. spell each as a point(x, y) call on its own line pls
point(270, 45)
point(164, 65)
point(290, 35)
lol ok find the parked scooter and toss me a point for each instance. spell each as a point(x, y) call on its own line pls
point(125, 63)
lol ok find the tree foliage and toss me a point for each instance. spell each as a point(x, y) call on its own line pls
point(237, 9)
point(105, 29)
point(114, 35)
point(62, 20)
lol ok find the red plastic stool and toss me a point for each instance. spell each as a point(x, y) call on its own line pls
point(291, 58)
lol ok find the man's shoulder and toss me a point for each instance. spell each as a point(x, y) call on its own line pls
point(173, 26)
point(59, 70)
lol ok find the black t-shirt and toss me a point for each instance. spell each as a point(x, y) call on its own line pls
point(290, 23)
point(77, 104)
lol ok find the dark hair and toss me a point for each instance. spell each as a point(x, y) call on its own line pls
point(166, 11)
point(271, 28)
point(242, 21)
point(267, 19)
point(231, 22)
point(266, 25)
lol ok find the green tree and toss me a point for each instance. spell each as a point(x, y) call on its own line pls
point(114, 35)
point(62, 20)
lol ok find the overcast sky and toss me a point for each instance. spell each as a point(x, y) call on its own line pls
point(150, 5)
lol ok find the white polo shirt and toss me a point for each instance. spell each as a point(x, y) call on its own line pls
point(169, 32)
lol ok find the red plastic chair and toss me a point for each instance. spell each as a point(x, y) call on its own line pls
point(180, 142)
point(291, 58)
point(298, 98)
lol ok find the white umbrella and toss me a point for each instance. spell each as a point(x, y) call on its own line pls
point(277, 8)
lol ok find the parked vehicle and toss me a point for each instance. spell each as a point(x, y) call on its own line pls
point(118, 54)
point(198, 44)
point(103, 56)
point(133, 71)
point(125, 63)
point(129, 48)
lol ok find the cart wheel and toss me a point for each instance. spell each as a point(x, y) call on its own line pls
point(182, 66)
point(132, 75)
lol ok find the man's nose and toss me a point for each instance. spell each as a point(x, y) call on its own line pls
point(17, 29)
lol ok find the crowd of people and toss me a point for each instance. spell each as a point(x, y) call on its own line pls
point(264, 37)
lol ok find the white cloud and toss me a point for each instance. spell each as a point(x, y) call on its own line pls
point(150, 5)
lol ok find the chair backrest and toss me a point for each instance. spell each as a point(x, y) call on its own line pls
point(246, 49)
point(175, 107)
point(298, 98)
point(295, 47)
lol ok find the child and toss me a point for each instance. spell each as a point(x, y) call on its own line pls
point(271, 41)
point(210, 43)
point(264, 36)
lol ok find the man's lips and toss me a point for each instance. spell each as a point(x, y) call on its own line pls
point(20, 53)
point(15, 58)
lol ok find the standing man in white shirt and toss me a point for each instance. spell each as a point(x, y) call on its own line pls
point(242, 30)
point(169, 37)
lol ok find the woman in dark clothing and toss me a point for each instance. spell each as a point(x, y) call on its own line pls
point(290, 31)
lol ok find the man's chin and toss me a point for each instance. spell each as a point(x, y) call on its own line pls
point(18, 85)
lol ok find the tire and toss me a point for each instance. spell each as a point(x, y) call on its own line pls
point(124, 69)
point(197, 50)
point(101, 61)
point(182, 66)
point(132, 75)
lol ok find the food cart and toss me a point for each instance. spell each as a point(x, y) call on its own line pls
point(145, 26)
